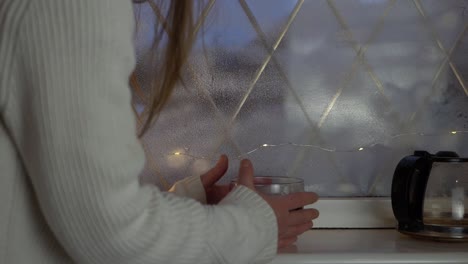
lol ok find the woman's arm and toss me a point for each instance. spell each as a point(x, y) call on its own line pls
point(80, 151)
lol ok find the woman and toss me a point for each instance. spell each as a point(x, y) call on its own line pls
point(69, 191)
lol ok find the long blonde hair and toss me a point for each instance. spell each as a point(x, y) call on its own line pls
point(166, 61)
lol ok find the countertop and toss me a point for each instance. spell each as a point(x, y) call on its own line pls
point(369, 246)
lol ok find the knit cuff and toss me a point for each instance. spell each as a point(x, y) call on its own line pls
point(191, 187)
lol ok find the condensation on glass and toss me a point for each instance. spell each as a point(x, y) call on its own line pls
point(335, 92)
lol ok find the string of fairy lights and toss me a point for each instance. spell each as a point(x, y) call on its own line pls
point(321, 148)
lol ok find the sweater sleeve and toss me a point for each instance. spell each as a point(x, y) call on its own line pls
point(190, 187)
point(77, 141)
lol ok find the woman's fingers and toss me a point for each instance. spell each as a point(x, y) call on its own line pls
point(302, 216)
point(212, 176)
point(296, 230)
point(300, 199)
point(293, 231)
point(246, 174)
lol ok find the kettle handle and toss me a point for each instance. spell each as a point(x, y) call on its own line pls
point(408, 190)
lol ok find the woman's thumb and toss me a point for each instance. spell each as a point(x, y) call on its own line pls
point(246, 174)
point(212, 176)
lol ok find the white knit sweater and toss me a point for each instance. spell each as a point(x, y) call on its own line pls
point(69, 158)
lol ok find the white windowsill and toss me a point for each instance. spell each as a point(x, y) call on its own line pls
point(329, 246)
point(349, 212)
point(350, 231)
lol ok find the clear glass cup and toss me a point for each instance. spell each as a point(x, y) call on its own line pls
point(277, 185)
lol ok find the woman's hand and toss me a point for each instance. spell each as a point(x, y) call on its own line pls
point(215, 193)
point(291, 222)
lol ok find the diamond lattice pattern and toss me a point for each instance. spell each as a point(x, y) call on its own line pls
point(332, 91)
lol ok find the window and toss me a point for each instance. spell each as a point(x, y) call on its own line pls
point(335, 92)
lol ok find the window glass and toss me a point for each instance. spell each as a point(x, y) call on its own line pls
point(334, 92)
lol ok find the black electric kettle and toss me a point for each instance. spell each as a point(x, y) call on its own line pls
point(430, 196)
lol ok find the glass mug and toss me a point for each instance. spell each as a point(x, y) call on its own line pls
point(276, 185)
